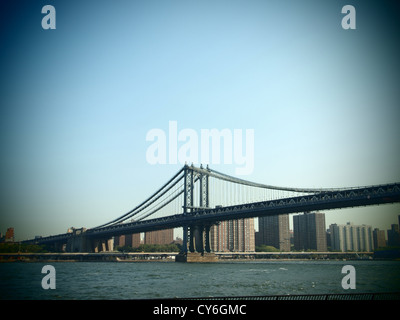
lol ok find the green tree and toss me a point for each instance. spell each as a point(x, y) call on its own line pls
point(265, 248)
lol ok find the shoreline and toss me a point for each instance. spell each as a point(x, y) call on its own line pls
point(170, 257)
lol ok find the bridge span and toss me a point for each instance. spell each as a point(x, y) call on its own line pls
point(197, 212)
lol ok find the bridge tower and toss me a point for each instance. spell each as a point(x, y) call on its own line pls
point(197, 235)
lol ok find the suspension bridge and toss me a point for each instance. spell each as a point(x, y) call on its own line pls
point(196, 198)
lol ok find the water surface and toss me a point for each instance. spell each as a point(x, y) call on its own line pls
point(148, 280)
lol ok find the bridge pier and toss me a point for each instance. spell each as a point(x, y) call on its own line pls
point(58, 246)
point(185, 240)
point(198, 237)
point(102, 245)
point(207, 238)
point(80, 242)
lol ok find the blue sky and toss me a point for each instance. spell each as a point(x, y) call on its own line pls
point(78, 101)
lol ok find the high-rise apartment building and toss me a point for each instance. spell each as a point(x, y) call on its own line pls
point(233, 235)
point(159, 237)
point(366, 239)
point(309, 231)
point(131, 240)
point(119, 241)
point(350, 237)
point(274, 231)
point(394, 236)
point(379, 238)
point(9, 235)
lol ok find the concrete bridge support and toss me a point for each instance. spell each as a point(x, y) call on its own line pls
point(58, 246)
point(102, 245)
point(199, 249)
point(83, 244)
point(80, 242)
point(199, 239)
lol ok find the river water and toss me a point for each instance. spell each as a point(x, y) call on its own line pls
point(158, 280)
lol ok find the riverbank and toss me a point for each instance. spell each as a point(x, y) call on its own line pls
point(296, 255)
point(170, 256)
point(82, 257)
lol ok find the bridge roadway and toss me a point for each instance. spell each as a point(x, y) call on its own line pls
point(354, 197)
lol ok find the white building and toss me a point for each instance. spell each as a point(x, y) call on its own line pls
point(351, 237)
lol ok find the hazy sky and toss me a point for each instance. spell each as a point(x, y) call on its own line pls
point(77, 102)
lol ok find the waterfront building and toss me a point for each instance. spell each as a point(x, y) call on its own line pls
point(379, 238)
point(274, 231)
point(159, 237)
point(366, 242)
point(309, 231)
point(350, 237)
point(9, 235)
point(132, 240)
point(233, 235)
point(119, 241)
point(393, 236)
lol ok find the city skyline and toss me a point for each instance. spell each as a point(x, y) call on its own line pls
point(77, 102)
